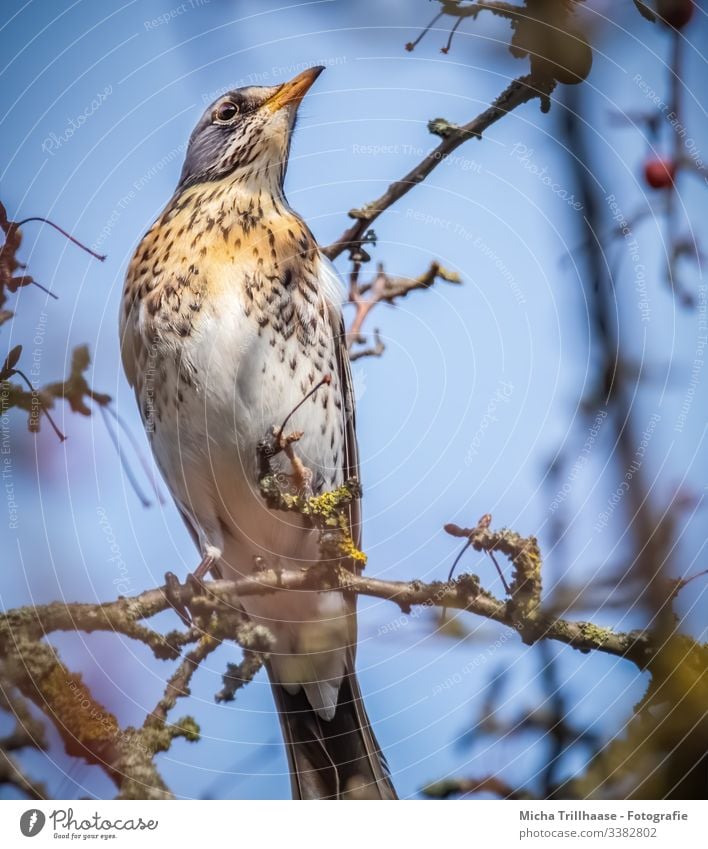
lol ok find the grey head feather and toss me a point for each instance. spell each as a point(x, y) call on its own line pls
point(216, 148)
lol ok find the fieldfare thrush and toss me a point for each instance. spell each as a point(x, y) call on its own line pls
point(230, 316)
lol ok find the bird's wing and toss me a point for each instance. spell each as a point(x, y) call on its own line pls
point(333, 288)
point(351, 448)
point(130, 342)
point(326, 756)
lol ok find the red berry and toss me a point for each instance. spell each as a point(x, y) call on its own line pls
point(676, 13)
point(659, 173)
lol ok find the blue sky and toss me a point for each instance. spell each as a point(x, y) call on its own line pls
point(517, 331)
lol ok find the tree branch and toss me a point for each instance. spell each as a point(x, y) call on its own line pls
point(461, 786)
point(465, 593)
point(515, 94)
point(11, 773)
point(385, 288)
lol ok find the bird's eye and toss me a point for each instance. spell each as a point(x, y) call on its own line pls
point(226, 111)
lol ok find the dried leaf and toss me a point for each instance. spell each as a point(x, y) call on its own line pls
point(8, 367)
point(645, 11)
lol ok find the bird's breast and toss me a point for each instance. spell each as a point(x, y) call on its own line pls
point(227, 326)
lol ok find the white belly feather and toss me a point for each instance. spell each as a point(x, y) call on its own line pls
point(207, 453)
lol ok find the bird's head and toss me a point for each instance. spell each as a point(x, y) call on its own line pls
point(246, 133)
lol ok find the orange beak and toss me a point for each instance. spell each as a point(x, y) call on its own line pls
point(294, 90)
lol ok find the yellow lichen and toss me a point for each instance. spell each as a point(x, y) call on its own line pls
point(328, 504)
point(350, 550)
point(71, 702)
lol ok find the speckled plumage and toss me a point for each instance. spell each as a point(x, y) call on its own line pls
point(230, 316)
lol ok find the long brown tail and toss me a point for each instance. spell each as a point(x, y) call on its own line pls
point(337, 758)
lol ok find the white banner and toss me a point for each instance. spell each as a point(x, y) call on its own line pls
point(493, 824)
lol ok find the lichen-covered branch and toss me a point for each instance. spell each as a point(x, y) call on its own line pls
point(90, 731)
point(27, 733)
point(178, 683)
point(525, 556)
point(463, 593)
point(257, 641)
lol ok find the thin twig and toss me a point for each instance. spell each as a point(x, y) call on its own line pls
point(385, 288)
point(71, 238)
point(515, 94)
point(178, 683)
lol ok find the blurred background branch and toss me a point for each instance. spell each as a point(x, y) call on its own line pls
point(92, 732)
point(657, 748)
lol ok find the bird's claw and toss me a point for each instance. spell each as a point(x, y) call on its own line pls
point(173, 594)
point(195, 584)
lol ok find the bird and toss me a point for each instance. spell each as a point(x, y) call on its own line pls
point(231, 323)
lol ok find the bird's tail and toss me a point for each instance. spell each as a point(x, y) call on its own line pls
point(337, 758)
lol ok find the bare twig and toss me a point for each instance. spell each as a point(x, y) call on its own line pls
point(375, 350)
point(515, 94)
point(64, 233)
point(385, 288)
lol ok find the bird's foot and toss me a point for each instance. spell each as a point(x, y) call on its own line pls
point(195, 584)
point(281, 442)
point(301, 476)
point(173, 594)
point(299, 481)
